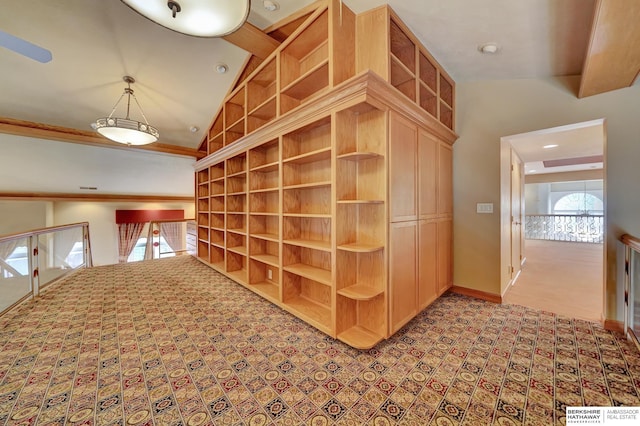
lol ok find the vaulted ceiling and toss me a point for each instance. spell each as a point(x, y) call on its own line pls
point(96, 42)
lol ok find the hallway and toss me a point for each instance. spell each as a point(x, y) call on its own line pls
point(560, 277)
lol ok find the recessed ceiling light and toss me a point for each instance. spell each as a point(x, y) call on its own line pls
point(222, 68)
point(532, 171)
point(550, 146)
point(489, 48)
point(271, 6)
point(193, 129)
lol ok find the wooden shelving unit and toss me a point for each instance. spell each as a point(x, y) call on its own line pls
point(312, 175)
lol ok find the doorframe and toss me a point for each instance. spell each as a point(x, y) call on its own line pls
point(505, 206)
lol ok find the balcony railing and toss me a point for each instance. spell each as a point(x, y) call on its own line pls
point(631, 271)
point(565, 227)
point(30, 261)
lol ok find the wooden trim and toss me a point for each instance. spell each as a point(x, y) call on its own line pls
point(66, 134)
point(631, 241)
point(59, 196)
point(253, 40)
point(613, 325)
point(478, 294)
point(365, 87)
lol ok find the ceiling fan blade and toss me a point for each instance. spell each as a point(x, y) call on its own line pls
point(25, 48)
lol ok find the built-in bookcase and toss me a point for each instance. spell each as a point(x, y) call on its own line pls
point(294, 196)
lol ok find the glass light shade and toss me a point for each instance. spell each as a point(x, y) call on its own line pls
point(126, 131)
point(201, 18)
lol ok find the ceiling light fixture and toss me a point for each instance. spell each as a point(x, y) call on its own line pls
point(550, 146)
point(489, 48)
point(270, 6)
point(125, 130)
point(200, 18)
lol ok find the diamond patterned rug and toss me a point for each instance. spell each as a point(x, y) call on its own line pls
point(172, 342)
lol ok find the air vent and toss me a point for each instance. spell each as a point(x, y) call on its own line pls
point(91, 188)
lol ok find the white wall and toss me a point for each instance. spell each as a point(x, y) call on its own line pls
point(541, 197)
point(103, 230)
point(489, 110)
point(21, 216)
point(36, 165)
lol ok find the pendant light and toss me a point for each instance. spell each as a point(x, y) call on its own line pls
point(201, 18)
point(125, 130)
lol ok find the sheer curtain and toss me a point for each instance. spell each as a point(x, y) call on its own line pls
point(173, 234)
point(128, 235)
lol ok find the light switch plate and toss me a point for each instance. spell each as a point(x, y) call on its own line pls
point(484, 208)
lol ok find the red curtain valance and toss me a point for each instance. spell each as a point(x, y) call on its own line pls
point(138, 216)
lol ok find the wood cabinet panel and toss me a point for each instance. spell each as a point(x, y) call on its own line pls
point(403, 148)
point(403, 237)
point(427, 263)
point(444, 245)
point(427, 174)
point(445, 179)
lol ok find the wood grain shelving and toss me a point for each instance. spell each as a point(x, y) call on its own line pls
point(308, 166)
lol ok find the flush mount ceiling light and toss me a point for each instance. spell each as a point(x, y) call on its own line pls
point(200, 18)
point(125, 130)
point(550, 146)
point(489, 48)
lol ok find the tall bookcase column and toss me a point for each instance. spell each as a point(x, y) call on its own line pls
point(327, 184)
point(361, 225)
point(387, 47)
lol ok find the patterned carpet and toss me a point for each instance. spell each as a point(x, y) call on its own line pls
point(171, 342)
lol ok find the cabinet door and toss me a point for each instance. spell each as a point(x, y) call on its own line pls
point(445, 276)
point(403, 148)
point(427, 263)
point(427, 174)
point(402, 273)
point(445, 179)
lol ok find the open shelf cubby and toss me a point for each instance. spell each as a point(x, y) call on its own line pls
point(264, 278)
point(217, 221)
point(237, 203)
point(311, 200)
point(217, 204)
point(237, 223)
point(216, 171)
point(308, 299)
point(310, 232)
point(266, 227)
point(266, 201)
point(216, 257)
point(308, 140)
point(217, 237)
point(305, 52)
point(237, 266)
point(236, 165)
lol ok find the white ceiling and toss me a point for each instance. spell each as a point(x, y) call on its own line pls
point(573, 141)
point(95, 42)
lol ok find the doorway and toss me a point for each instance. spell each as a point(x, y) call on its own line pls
point(553, 259)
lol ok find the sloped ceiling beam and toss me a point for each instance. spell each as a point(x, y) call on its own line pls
point(253, 40)
point(613, 55)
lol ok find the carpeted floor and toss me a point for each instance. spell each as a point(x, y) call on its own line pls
point(171, 342)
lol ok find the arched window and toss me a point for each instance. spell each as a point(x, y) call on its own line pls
point(578, 203)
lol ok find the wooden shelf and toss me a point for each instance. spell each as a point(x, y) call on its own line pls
point(308, 185)
point(359, 337)
point(269, 259)
point(358, 156)
point(312, 244)
point(360, 292)
point(268, 237)
point(360, 202)
point(310, 157)
point(267, 289)
point(239, 275)
point(314, 313)
point(360, 247)
point(309, 84)
point(271, 167)
point(238, 249)
point(318, 275)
